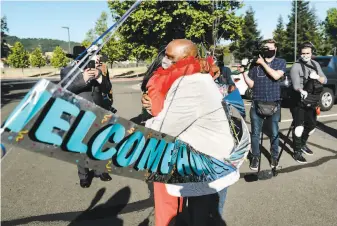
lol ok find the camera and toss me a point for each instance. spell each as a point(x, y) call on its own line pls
point(91, 64)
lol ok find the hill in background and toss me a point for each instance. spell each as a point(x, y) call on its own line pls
point(47, 45)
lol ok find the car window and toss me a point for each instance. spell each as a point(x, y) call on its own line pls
point(323, 62)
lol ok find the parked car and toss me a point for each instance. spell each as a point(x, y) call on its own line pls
point(329, 94)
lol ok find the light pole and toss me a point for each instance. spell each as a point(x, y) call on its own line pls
point(295, 47)
point(68, 38)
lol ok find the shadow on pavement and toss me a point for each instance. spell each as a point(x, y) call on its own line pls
point(6, 98)
point(102, 214)
point(327, 129)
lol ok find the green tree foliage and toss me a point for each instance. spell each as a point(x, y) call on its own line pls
point(330, 24)
point(36, 58)
point(116, 49)
point(155, 23)
point(46, 45)
point(307, 28)
point(280, 36)
point(4, 29)
point(248, 45)
point(89, 38)
point(59, 58)
point(19, 57)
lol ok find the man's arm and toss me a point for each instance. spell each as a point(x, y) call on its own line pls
point(295, 77)
point(322, 78)
point(275, 74)
point(247, 77)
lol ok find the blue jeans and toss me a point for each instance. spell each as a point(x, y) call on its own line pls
point(201, 208)
point(257, 124)
point(222, 199)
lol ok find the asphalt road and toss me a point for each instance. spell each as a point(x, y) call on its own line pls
point(37, 190)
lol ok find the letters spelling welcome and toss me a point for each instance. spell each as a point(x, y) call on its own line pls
point(156, 156)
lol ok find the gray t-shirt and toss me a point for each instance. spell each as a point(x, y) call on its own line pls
point(296, 73)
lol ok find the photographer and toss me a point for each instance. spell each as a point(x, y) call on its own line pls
point(263, 79)
point(307, 79)
point(93, 84)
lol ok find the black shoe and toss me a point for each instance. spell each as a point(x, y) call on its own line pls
point(254, 164)
point(299, 158)
point(274, 163)
point(105, 177)
point(85, 183)
point(306, 150)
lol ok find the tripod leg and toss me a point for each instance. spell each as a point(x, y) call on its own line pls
point(260, 153)
point(275, 173)
point(285, 141)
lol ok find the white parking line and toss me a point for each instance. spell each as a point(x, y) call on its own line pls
point(321, 116)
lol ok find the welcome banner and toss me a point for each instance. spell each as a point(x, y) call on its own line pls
point(54, 122)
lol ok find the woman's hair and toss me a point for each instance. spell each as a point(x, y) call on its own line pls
point(152, 68)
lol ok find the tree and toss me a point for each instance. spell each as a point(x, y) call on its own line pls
point(155, 23)
point(330, 24)
point(19, 57)
point(4, 29)
point(59, 58)
point(280, 36)
point(307, 28)
point(248, 45)
point(37, 59)
point(89, 38)
point(116, 49)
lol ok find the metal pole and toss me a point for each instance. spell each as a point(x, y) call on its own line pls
point(295, 47)
point(68, 38)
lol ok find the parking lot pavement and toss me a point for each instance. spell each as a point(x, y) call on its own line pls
point(37, 190)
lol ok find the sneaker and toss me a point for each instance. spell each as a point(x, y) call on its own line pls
point(299, 158)
point(274, 163)
point(306, 150)
point(254, 164)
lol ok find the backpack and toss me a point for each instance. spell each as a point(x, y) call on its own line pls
point(312, 86)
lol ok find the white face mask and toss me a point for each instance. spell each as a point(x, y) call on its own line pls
point(306, 58)
point(166, 63)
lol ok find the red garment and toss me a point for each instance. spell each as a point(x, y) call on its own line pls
point(162, 80)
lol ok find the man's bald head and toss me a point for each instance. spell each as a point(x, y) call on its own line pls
point(180, 48)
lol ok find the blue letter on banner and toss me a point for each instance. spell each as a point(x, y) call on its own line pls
point(118, 130)
point(183, 162)
point(75, 142)
point(17, 120)
point(122, 160)
point(53, 120)
point(152, 155)
point(196, 164)
point(167, 162)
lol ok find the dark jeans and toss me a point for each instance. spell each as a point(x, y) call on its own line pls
point(257, 124)
point(207, 209)
point(307, 118)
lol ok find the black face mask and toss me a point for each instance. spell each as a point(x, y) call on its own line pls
point(268, 53)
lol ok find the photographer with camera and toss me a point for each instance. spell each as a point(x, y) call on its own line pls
point(263, 79)
point(307, 79)
point(93, 84)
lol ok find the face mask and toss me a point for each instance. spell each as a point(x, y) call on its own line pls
point(306, 58)
point(166, 63)
point(269, 53)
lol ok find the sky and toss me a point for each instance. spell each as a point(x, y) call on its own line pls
point(45, 19)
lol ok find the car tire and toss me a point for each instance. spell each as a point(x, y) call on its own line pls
point(249, 94)
point(327, 99)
